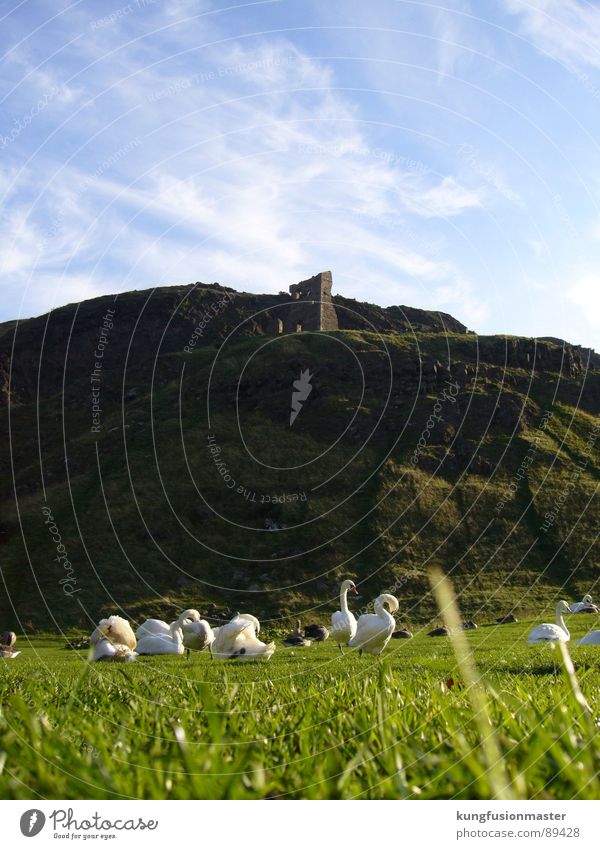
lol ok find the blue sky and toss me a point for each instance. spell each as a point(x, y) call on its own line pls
point(444, 157)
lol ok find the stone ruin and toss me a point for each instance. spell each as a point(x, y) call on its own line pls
point(311, 307)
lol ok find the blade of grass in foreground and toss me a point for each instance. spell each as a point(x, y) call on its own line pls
point(580, 700)
point(446, 600)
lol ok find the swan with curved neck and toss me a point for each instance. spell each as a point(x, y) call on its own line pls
point(586, 605)
point(343, 621)
point(197, 635)
point(161, 643)
point(374, 630)
point(248, 617)
point(159, 626)
point(550, 632)
point(237, 639)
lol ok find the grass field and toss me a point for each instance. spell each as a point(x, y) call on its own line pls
point(307, 724)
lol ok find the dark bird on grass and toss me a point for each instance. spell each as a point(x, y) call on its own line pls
point(439, 632)
point(297, 638)
point(7, 642)
point(506, 620)
point(451, 683)
point(316, 633)
point(402, 634)
point(469, 626)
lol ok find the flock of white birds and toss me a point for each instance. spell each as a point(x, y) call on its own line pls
point(114, 639)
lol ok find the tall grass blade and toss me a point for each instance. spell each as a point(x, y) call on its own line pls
point(446, 600)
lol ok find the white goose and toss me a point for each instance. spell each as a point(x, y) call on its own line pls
point(549, 632)
point(104, 650)
point(116, 630)
point(374, 630)
point(343, 621)
point(158, 626)
point(237, 639)
point(171, 643)
point(586, 605)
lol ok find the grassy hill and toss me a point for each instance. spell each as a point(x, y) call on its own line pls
point(189, 487)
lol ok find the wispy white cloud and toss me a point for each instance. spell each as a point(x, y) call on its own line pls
point(189, 147)
point(567, 30)
point(448, 33)
point(445, 199)
point(232, 179)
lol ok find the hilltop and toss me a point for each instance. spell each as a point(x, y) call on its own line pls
point(168, 472)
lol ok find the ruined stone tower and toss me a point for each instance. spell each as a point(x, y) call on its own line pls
point(312, 307)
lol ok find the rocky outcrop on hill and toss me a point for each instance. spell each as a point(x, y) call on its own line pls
point(135, 328)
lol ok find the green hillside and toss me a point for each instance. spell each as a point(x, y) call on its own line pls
point(476, 454)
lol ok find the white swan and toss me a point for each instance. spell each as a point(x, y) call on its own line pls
point(591, 639)
point(586, 605)
point(237, 639)
point(106, 651)
point(374, 630)
point(115, 629)
point(171, 643)
point(197, 635)
point(158, 626)
point(549, 632)
point(7, 642)
point(343, 622)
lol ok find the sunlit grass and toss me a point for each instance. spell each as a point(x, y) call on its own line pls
point(308, 724)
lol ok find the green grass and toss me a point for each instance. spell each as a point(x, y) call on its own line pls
point(307, 724)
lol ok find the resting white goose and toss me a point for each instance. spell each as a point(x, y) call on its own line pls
point(115, 629)
point(374, 630)
point(171, 643)
point(343, 621)
point(549, 632)
point(586, 605)
point(591, 639)
point(104, 650)
point(237, 639)
point(158, 626)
